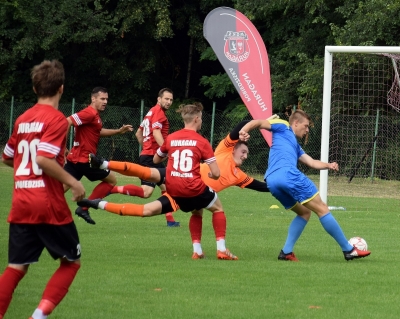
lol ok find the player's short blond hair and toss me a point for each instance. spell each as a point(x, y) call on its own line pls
point(190, 111)
point(298, 115)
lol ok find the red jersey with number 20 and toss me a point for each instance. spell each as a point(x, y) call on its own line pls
point(87, 125)
point(155, 119)
point(185, 150)
point(37, 197)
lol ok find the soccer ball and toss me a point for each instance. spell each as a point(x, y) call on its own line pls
point(359, 243)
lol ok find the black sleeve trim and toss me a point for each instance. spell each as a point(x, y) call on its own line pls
point(234, 134)
point(258, 186)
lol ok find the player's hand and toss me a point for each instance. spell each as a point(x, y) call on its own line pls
point(244, 136)
point(125, 128)
point(274, 116)
point(78, 191)
point(334, 166)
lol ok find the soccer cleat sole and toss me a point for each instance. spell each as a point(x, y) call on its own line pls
point(84, 214)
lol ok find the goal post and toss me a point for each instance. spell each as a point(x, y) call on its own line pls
point(330, 53)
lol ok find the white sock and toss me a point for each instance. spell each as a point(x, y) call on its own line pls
point(104, 165)
point(102, 204)
point(197, 248)
point(221, 245)
point(38, 314)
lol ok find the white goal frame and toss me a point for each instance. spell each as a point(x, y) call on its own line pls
point(326, 102)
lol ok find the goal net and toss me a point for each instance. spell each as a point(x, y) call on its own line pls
point(361, 122)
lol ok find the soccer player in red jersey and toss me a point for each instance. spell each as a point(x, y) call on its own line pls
point(230, 154)
point(40, 217)
point(184, 149)
point(88, 130)
point(151, 135)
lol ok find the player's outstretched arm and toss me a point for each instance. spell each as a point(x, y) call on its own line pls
point(254, 124)
point(122, 130)
point(258, 186)
point(316, 164)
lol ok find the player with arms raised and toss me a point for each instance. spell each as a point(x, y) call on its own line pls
point(40, 217)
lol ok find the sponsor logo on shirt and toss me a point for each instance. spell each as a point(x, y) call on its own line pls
point(29, 184)
point(33, 127)
point(183, 143)
point(178, 174)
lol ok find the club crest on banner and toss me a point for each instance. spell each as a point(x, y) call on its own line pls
point(236, 47)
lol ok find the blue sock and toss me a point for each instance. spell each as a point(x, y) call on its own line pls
point(332, 227)
point(295, 229)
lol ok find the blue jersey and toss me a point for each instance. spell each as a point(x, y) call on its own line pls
point(285, 150)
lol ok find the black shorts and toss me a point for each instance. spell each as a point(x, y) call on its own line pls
point(27, 241)
point(78, 170)
point(204, 200)
point(147, 160)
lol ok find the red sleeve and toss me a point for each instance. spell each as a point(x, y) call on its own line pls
point(207, 152)
point(8, 152)
point(52, 141)
point(158, 120)
point(82, 117)
point(162, 151)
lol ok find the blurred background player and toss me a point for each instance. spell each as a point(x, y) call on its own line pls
point(151, 135)
point(184, 149)
point(40, 217)
point(88, 130)
point(291, 187)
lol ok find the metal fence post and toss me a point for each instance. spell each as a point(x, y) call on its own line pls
point(11, 116)
point(374, 151)
point(212, 124)
point(71, 130)
point(141, 119)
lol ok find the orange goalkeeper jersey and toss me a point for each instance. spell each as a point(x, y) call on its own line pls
point(230, 174)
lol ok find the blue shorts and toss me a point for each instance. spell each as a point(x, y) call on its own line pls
point(290, 186)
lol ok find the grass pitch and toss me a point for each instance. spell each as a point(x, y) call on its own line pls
point(138, 268)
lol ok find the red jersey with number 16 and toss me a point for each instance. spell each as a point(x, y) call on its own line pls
point(185, 149)
point(37, 197)
point(155, 119)
point(87, 125)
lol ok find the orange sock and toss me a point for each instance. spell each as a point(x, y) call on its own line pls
point(130, 169)
point(125, 209)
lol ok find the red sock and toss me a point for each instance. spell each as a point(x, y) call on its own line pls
point(195, 227)
point(219, 224)
point(58, 285)
point(168, 216)
point(8, 282)
point(131, 190)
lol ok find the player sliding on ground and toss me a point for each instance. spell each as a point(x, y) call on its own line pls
point(291, 187)
point(230, 155)
point(185, 187)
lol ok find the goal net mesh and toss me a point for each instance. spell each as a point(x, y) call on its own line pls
point(365, 103)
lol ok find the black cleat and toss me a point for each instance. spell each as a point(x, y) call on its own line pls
point(95, 161)
point(91, 203)
point(85, 215)
point(289, 256)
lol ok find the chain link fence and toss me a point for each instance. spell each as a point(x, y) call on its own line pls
point(356, 135)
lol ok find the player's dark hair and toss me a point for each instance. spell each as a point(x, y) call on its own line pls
point(189, 111)
point(298, 115)
point(99, 89)
point(47, 78)
point(239, 143)
point(161, 92)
